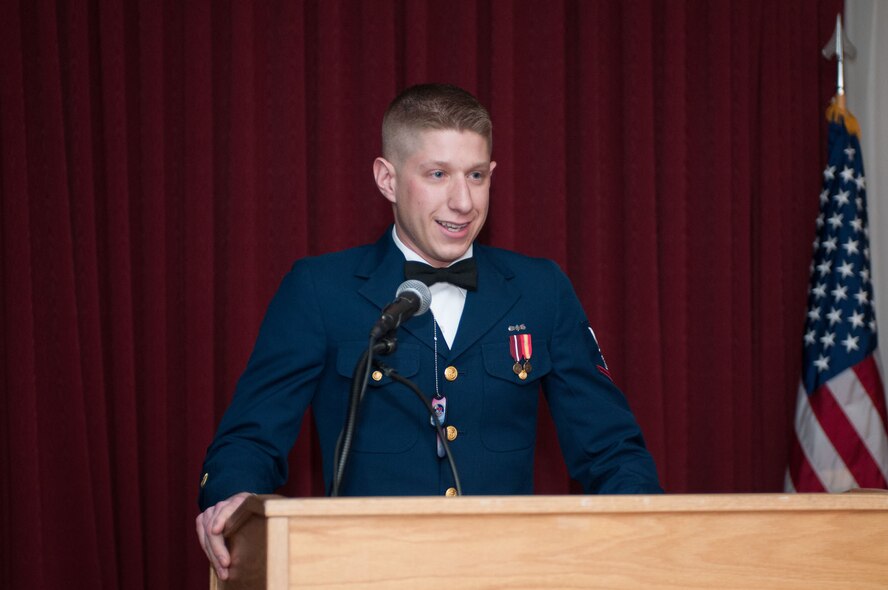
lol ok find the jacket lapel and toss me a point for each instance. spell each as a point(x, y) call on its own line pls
point(383, 267)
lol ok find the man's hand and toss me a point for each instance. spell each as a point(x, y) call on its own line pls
point(209, 524)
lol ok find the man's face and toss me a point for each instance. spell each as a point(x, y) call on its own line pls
point(440, 193)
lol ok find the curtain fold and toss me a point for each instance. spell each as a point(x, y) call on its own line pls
point(164, 163)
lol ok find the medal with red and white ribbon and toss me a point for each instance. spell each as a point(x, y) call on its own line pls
point(521, 349)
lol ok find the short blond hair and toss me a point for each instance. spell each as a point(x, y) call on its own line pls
point(432, 106)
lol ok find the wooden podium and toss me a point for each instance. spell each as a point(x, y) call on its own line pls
point(727, 541)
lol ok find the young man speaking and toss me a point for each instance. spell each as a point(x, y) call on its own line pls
point(502, 325)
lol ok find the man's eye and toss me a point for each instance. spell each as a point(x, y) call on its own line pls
point(437, 174)
point(476, 176)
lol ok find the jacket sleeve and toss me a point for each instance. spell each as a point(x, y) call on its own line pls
point(599, 436)
point(250, 449)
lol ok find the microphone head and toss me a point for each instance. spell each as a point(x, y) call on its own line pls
point(421, 291)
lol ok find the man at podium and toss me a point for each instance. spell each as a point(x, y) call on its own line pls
point(501, 325)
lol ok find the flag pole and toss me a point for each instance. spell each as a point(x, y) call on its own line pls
point(839, 46)
point(841, 420)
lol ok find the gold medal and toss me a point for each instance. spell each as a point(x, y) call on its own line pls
point(527, 367)
point(522, 375)
point(517, 368)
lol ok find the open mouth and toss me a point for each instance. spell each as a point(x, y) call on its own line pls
point(453, 227)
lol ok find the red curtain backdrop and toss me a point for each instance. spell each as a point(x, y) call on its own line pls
point(163, 163)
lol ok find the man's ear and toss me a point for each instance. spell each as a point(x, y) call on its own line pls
point(384, 173)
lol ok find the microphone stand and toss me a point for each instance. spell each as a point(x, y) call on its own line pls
point(391, 373)
point(360, 378)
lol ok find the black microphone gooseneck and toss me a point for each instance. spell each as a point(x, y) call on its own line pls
point(389, 372)
point(412, 298)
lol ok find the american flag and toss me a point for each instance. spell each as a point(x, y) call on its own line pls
point(840, 438)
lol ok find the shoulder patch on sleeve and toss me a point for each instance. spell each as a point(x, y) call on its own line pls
point(600, 363)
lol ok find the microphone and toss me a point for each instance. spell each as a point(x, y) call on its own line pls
point(412, 298)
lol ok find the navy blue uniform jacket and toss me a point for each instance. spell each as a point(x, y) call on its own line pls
point(316, 328)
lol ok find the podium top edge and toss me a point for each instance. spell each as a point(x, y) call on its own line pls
point(272, 506)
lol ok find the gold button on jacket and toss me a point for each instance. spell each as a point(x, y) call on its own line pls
point(450, 492)
point(452, 433)
point(376, 375)
point(450, 373)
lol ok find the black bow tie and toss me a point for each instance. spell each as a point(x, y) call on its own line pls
point(462, 274)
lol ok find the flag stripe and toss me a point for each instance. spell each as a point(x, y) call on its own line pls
point(845, 439)
point(788, 486)
point(868, 375)
point(857, 401)
point(818, 450)
point(871, 380)
point(801, 474)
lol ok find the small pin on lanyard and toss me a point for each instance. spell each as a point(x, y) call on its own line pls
point(439, 403)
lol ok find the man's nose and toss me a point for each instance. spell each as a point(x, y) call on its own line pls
point(460, 196)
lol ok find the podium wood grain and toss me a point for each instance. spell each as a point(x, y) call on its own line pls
point(619, 542)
